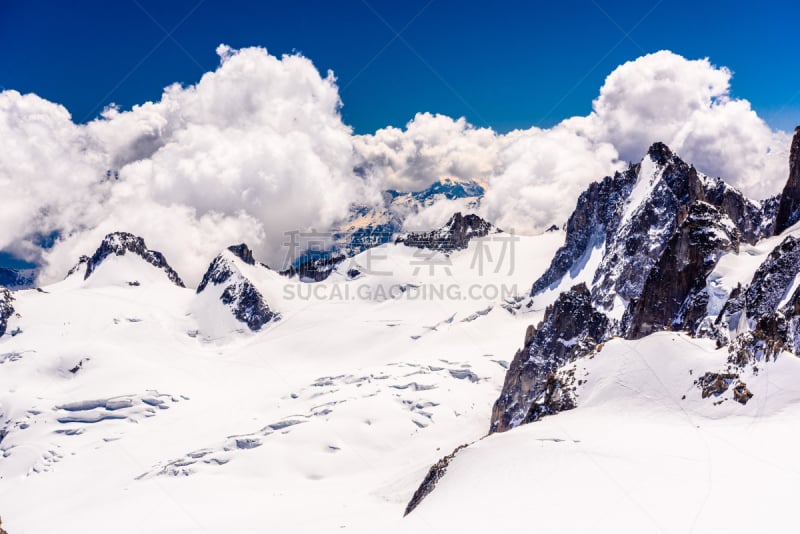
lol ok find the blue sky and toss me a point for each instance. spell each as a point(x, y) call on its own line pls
point(504, 64)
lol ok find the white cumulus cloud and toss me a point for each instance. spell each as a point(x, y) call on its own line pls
point(255, 149)
point(258, 148)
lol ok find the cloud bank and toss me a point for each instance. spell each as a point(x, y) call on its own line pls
point(258, 148)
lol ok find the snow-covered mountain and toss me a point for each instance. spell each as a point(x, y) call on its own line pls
point(17, 278)
point(368, 226)
point(655, 390)
point(688, 266)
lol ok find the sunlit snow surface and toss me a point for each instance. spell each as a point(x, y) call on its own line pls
point(149, 409)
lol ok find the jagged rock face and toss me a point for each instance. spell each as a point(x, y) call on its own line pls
point(633, 215)
point(315, 270)
point(454, 235)
point(754, 220)
point(120, 243)
point(435, 473)
point(239, 294)
point(6, 308)
point(773, 278)
point(767, 303)
point(672, 297)
point(571, 328)
point(659, 229)
point(594, 221)
point(789, 209)
point(759, 304)
point(243, 252)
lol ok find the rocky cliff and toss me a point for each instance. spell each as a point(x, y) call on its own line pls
point(789, 209)
point(6, 308)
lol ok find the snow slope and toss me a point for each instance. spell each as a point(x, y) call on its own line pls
point(643, 452)
point(148, 408)
point(128, 408)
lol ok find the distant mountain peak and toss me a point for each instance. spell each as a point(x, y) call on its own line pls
point(121, 243)
point(369, 226)
point(454, 235)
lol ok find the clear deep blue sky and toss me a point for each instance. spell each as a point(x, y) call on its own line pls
point(502, 64)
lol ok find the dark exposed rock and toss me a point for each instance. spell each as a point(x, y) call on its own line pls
point(248, 305)
point(239, 294)
point(571, 328)
point(6, 308)
point(754, 220)
point(243, 252)
point(594, 220)
point(315, 269)
point(672, 296)
point(741, 394)
point(773, 278)
point(759, 301)
point(770, 336)
point(633, 227)
point(558, 396)
point(656, 207)
point(715, 383)
point(789, 209)
point(120, 243)
point(435, 473)
point(454, 235)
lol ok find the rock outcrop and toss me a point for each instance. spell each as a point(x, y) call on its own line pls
point(435, 473)
point(6, 308)
point(121, 243)
point(789, 209)
point(315, 269)
point(571, 328)
point(672, 297)
point(238, 294)
point(455, 235)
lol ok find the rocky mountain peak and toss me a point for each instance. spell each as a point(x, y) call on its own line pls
point(121, 243)
point(454, 235)
point(660, 153)
point(789, 209)
point(644, 241)
point(243, 252)
point(237, 292)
